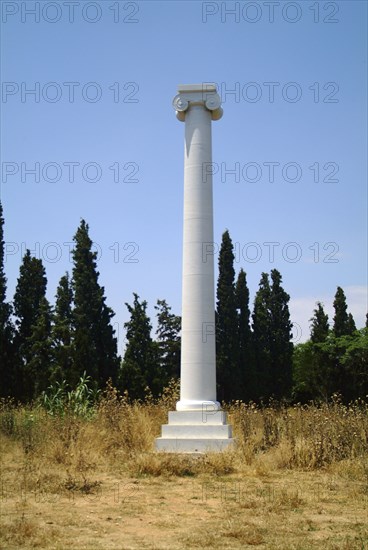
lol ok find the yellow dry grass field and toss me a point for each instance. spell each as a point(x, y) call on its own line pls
point(298, 479)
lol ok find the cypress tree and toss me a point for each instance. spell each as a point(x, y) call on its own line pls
point(228, 376)
point(62, 334)
point(87, 299)
point(351, 326)
point(261, 325)
point(244, 336)
point(30, 290)
point(41, 350)
point(168, 336)
point(341, 318)
point(281, 335)
point(6, 327)
point(94, 346)
point(319, 324)
point(139, 368)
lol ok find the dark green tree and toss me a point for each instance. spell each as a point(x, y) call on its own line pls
point(94, 345)
point(345, 365)
point(281, 338)
point(354, 361)
point(62, 334)
point(341, 318)
point(305, 372)
point(319, 324)
point(312, 367)
point(351, 326)
point(332, 361)
point(168, 339)
point(7, 359)
point(228, 375)
point(140, 364)
point(244, 337)
point(39, 366)
point(30, 290)
point(315, 370)
point(273, 348)
point(262, 334)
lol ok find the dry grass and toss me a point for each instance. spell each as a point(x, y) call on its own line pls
point(296, 480)
point(306, 436)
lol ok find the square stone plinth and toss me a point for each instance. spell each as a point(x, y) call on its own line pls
point(195, 432)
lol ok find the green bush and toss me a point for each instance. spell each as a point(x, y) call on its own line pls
point(80, 401)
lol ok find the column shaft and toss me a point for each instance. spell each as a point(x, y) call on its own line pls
point(198, 348)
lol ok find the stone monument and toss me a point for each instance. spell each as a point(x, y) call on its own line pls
point(198, 424)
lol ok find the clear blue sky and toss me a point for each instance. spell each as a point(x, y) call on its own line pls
point(299, 76)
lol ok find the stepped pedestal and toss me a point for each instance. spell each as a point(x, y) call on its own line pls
point(195, 432)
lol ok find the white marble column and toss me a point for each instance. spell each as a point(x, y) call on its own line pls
point(198, 424)
point(197, 106)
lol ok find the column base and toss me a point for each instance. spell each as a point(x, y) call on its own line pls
point(195, 432)
point(196, 405)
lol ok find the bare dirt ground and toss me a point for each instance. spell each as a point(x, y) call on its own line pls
point(273, 509)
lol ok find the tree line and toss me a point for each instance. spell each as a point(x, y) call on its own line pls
point(43, 344)
point(256, 358)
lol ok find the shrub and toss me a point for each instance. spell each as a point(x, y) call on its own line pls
point(80, 401)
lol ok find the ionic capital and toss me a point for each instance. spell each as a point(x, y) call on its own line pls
point(197, 94)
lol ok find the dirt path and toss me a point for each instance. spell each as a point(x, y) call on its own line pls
point(284, 510)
